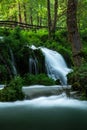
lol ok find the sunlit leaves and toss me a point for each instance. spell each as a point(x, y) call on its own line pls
point(9, 10)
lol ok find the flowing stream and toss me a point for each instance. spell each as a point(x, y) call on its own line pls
point(44, 113)
point(56, 112)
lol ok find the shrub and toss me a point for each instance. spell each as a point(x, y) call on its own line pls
point(13, 91)
point(3, 74)
point(78, 79)
point(41, 79)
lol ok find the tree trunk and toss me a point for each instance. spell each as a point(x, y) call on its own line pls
point(55, 17)
point(37, 20)
point(40, 21)
point(31, 18)
point(19, 11)
point(52, 25)
point(73, 31)
point(49, 19)
point(25, 17)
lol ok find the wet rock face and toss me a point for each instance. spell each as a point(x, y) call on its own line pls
point(30, 61)
point(24, 60)
point(5, 62)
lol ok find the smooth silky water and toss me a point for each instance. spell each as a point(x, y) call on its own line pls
point(44, 113)
point(55, 64)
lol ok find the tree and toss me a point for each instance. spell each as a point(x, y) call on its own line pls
point(55, 17)
point(74, 36)
point(49, 18)
point(25, 16)
point(19, 12)
point(52, 23)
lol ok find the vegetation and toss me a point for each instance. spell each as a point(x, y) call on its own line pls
point(78, 80)
point(28, 38)
point(13, 91)
point(41, 79)
point(61, 27)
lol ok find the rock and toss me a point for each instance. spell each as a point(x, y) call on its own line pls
point(41, 90)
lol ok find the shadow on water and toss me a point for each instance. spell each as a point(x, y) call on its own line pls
point(46, 113)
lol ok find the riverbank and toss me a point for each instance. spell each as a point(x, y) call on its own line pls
point(35, 91)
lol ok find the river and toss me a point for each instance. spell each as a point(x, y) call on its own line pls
point(44, 113)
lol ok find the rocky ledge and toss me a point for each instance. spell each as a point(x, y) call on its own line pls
point(41, 90)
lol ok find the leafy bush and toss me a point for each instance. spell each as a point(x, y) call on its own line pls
point(13, 91)
point(61, 37)
point(3, 74)
point(83, 34)
point(78, 79)
point(84, 53)
point(38, 79)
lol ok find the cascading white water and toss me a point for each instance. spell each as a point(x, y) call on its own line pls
point(33, 65)
point(55, 65)
point(13, 62)
point(1, 38)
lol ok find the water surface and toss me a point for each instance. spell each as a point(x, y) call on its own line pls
point(44, 113)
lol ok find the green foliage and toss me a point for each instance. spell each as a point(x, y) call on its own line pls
point(18, 39)
point(42, 35)
point(84, 53)
point(15, 39)
point(13, 91)
point(3, 74)
point(83, 33)
point(78, 79)
point(38, 79)
point(36, 38)
point(61, 37)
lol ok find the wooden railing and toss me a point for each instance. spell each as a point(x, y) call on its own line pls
point(13, 24)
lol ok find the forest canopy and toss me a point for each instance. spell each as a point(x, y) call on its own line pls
point(35, 12)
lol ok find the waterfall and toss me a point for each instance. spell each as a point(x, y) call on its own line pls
point(1, 38)
point(33, 65)
point(55, 65)
point(13, 62)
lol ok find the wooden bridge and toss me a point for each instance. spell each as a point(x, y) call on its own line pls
point(13, 24)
